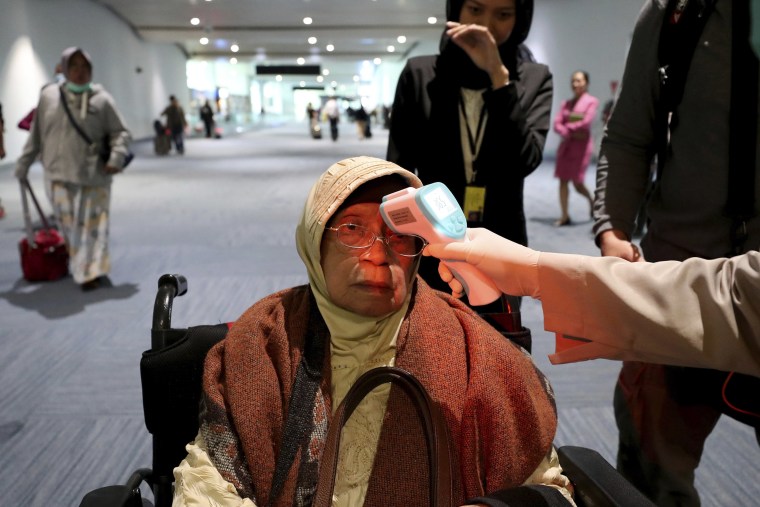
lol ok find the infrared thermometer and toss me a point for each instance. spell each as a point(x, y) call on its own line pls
point(433, 213)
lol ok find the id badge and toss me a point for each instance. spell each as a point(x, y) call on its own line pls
point(474, 202)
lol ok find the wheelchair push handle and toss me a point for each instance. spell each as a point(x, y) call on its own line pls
point(169, 287)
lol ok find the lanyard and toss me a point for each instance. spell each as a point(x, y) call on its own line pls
point(478, 133)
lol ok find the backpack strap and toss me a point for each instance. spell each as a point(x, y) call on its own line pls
point(681, 28)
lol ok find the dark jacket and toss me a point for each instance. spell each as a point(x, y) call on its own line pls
point(425, 137)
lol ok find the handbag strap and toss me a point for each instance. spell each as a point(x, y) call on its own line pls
point(78, 128)
point(27, 187)
point(436, 434)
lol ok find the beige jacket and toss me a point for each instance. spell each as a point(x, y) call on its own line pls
point(65, 155)
point(700, 313)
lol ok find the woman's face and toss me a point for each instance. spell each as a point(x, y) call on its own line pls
point(78, 71)
point(373, 281)
point(579, 84)
point(499, 16)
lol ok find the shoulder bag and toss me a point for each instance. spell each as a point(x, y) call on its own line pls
point(435, 428)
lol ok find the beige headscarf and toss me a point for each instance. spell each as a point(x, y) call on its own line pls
point(326, 196)
point(357, 343)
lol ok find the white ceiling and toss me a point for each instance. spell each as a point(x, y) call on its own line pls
point(272, 32)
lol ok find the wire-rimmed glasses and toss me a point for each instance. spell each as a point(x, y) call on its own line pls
point(360, 237)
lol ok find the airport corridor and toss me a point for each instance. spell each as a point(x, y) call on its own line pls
point(224, 216)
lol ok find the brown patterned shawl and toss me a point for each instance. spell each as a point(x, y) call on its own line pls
point(499, 407)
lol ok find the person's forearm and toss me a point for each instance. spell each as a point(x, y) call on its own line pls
point(697, 313)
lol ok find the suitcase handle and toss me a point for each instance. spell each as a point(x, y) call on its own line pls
point(27, 187)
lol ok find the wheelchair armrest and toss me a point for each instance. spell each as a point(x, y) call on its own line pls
point(126, 495)
point(596, 481)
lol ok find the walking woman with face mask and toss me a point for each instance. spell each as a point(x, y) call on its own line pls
point(77, 174)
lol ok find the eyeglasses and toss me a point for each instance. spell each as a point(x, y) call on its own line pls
point(360, 237)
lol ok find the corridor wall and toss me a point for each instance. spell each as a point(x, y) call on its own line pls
point(139, 74)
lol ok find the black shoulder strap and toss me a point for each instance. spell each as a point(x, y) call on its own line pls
point(681, 28)
point(300, 409)
point(65, 105)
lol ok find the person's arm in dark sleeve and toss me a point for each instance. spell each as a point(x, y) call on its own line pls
point(629, 142)
point(522, 126)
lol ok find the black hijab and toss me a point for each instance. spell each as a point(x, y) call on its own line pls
point(453, 63)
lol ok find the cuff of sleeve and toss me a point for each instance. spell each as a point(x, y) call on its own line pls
point(562, 283)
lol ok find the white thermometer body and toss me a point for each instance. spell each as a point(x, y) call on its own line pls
point(432, 212)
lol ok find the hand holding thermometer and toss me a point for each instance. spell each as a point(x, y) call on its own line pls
point(433, 213)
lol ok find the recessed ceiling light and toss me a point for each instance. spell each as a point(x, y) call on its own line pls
point(432, 20)
point(401, 39)
point(233, 60)
point(334, 84)
point(195, 21)
point(391, 49)
point(204, 40)
point(330, 47)
point(377, 61)
point(302, 83)
point(278, 77)
point(234, 48)
point(312, 40)
point(325, 72)
point(320, 79)
point(300, 61)
point(307, 20)
point(356, 78)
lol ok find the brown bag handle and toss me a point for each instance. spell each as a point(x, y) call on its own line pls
point(436, 434)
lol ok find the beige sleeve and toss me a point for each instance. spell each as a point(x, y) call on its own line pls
point(199, 484)
point(549, 473)
point(700, 313)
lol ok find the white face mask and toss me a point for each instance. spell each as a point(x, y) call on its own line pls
point(76, 88)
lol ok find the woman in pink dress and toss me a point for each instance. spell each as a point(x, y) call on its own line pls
point(573, 124)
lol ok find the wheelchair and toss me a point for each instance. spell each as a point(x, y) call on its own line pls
point(171, 373)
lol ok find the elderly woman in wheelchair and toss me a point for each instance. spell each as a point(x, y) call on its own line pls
point(270, 388)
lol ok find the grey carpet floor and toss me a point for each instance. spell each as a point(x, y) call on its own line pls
point(224, 216)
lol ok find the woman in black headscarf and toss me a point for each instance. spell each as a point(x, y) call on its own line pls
point(475, 116)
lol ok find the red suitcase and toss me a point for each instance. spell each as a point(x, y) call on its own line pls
point(43, 252)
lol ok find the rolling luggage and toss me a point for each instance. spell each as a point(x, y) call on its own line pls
point(316, 131)
point(43, 252)
point(162, 143)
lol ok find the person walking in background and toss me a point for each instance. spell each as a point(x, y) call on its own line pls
point(207, 117)
point(703, 205)
point(573, 123)
point(176, 123)
point(475, 116)
point(77, 177)
point(362, 122)
point(332, 112)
